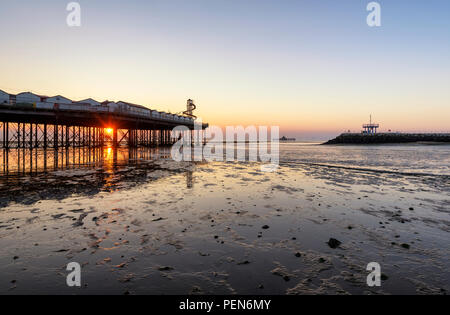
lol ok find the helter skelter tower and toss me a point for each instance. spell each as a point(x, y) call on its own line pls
point(190, 107)
point(189, 112)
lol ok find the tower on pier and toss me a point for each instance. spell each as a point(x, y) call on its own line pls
point(370, 128)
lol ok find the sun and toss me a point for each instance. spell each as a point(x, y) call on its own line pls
point(109, 131)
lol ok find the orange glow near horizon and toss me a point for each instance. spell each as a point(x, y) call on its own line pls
point(287, 70)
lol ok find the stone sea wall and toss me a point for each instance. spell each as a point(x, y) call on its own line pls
point(359, 138)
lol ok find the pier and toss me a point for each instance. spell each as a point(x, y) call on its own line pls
point(35, 122)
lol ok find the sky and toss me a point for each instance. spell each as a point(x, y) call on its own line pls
point(313, 67)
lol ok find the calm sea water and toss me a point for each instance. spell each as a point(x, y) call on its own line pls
point(405, 158)
point(401, 158)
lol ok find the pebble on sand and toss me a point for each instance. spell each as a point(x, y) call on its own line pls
point(333, 243)
point(245, 262)
point(166, 268)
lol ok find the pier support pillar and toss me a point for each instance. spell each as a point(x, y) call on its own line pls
point(45, 136)
point(115, 137)
point(55, 136)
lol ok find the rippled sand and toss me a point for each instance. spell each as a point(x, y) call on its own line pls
point(163, 227)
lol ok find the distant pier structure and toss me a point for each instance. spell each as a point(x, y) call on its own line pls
point(370, 128)
point(370, 135)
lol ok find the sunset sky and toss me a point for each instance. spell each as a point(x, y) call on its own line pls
point(315, 68)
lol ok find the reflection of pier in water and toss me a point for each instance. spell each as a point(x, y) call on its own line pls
point(25, 162)
point(32, 161)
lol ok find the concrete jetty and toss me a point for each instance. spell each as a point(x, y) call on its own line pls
point(381, 138)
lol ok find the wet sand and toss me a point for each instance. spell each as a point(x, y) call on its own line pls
point(161, 227)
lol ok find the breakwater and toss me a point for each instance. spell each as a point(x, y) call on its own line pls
point(380, 138)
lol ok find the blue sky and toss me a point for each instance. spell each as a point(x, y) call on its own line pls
point(312, 67)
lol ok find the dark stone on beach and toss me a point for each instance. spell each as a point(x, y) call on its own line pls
point(298, 254)
point(384, 277)
point(16, 257)
point(334, 243)
point(349, 227)
point(404, 245)
point(216, 236)
point(321, 260)
point(195, 289)
point(166, 268)
point(286, 278)
point(80, 220)
point(411, 209)
point(245, 262)
point(265, 227)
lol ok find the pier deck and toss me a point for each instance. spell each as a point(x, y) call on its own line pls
point(34, 127)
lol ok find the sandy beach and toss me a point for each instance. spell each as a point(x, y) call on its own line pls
point(149, 225)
